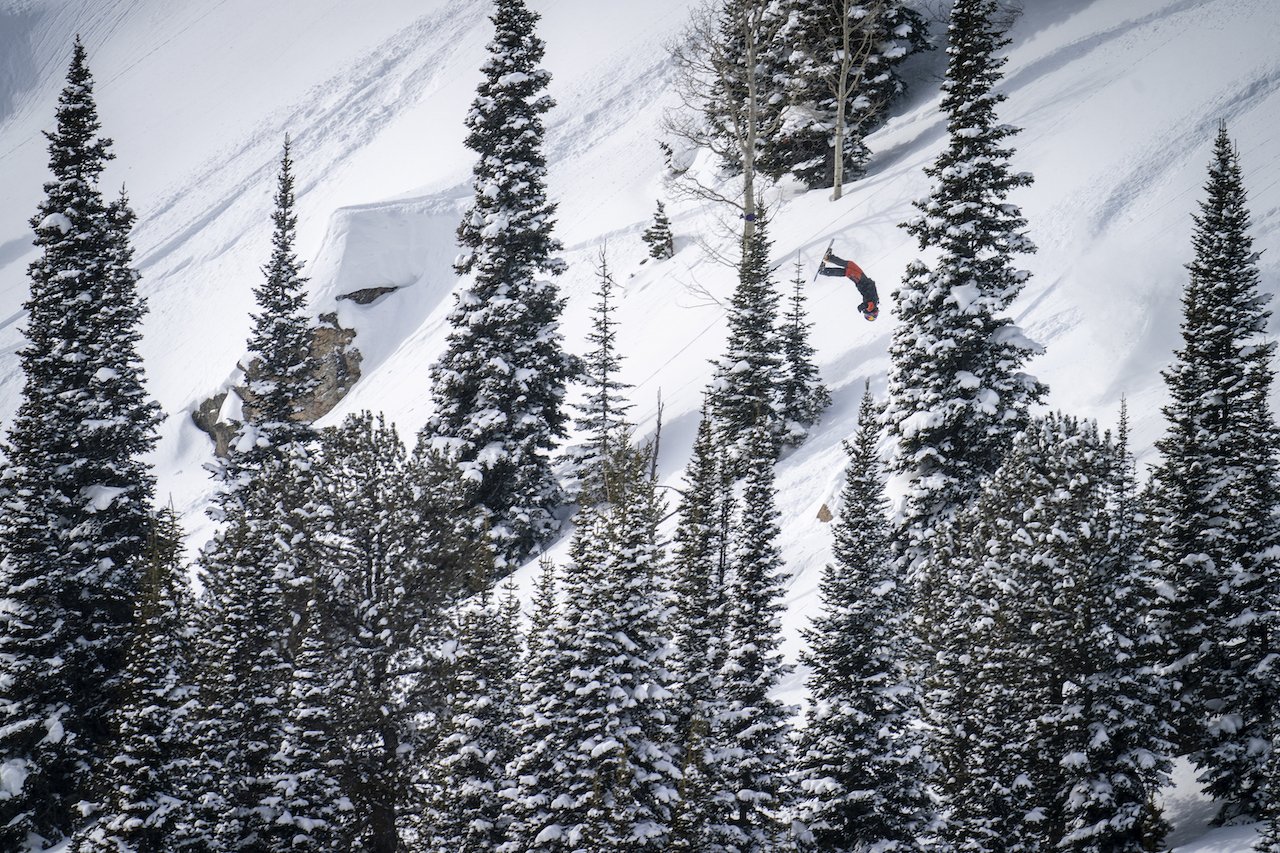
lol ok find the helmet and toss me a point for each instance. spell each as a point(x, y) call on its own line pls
point(870, 310)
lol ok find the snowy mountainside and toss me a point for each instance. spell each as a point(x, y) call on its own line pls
point(1118, 102)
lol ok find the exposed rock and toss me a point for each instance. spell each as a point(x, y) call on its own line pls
point(338, 368)
point(824, 514)
point(206, 418)
point(368, 294)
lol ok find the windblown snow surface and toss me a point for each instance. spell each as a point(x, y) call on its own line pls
point(1118, 102)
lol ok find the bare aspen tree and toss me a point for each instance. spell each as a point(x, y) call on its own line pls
point(857, 43)
point(723, 98)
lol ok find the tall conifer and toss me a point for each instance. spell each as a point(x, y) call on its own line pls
point(1216, 511)
point(262, 566)
point(862, 773)
point(601, 416)
point(398, 547)
point(1117, 748)
point(281, 374)
point(479, 743)
point(1056, 740)
point(77, 515)
point(307, 772)
point(744, 393)
point(749, 736)
point(613, 783)
point(803, 397)
point(542, 729)
point(144, 782)
point(957, 394)
point(699, 623)
point(499, 386)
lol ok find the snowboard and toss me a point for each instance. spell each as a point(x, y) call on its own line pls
point(822, 259)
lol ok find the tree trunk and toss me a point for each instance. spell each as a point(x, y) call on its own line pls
point(382, 819)
point(751, 25)
point(842, 96)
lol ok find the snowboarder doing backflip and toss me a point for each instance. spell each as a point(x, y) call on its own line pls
point(870, 306)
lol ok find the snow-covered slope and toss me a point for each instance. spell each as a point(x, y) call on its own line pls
point(1118, 101)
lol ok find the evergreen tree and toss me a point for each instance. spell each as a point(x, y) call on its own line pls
point(479, 736)
point(1002, 567)
point(699, 566)
point(307, 797)
point(499, 387)
point(281, 374)
point(615, 782)
point(246, 669)
point(1216, 524)
point(803, 396)
point(839, 63)
point(541, 727)
point(860, 762)
point(263, 564)
point(1270, 842)
point(744, 393)
point(398, 550)
point(1117, 750)
point(957, 395)
point(1054, 745)
point(749, 736)
point(658, 235)
point(77, 515)
point(601, 417)
point(143, 786)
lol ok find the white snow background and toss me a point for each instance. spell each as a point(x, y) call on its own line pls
point(1118, 100)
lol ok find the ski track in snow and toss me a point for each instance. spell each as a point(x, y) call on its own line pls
point(1118, 103)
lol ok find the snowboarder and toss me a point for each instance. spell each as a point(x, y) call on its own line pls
point(870, 306)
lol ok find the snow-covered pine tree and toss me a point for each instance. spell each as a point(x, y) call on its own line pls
point(862, 775)
point(1116, 749)
point(308, 800)
point(744, 392)
point(76, 521)
point(281, 373)
point(1270, 841)
point(469, 769)
point(245, 671)
point(601, 416)
point(541, 728)
point(658, 235)
point(803, 397)
point(1216, 515)
point(957, 394)
point(1054, 744)
point(499, 386)
point(261, 567)
point(399, 547)
point(698, 569)
point(750, 751)
point(839, 63)
point(998, 677)
point(614, 785)
point(142, 784)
